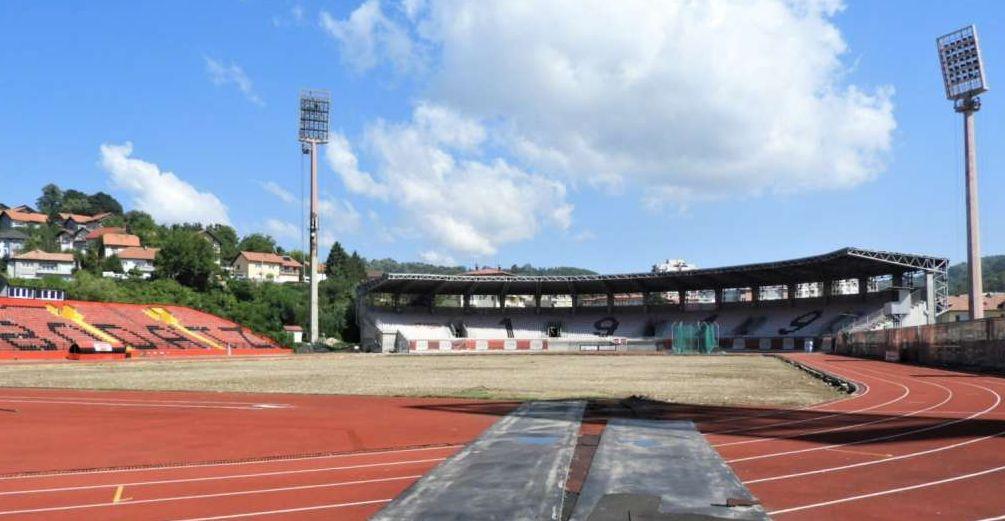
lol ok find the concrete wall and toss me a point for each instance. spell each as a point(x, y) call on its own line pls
point(976, 344)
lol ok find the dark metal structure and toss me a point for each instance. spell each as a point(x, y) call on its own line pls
point(846, 263)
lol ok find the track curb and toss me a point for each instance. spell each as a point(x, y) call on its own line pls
point(843, 384)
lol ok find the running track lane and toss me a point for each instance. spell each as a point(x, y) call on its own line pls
point(924, 443)
point(130, 455)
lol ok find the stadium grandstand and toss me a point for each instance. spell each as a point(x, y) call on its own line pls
point(790, 304)
point(49, 327)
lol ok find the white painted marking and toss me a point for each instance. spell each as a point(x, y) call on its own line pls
point(890, 491)
point(876, 462)
point(105, 399)
point(905, 394)
point(217, 478)
point(129, 404)
point(228, 464)
point(886, 418)
point(205, 496)
point(289, 510)
point(998, 400)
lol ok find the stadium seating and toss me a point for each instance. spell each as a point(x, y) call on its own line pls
point(35, 325)
point(778, 325)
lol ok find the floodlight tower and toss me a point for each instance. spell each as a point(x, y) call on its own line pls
point(314, 108)
point(963, 75)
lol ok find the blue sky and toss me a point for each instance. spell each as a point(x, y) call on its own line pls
point(506, 132)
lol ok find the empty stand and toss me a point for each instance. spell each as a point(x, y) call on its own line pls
point(766, 325)
point(32, 325)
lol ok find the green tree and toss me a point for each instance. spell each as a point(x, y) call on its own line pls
point(101, 202)
point(51, 200)
point(143, 226)
point(75, 201)
point(112, 263)
point(43, 237)
point(186, 258)
point(259, 242)
point(227, 237)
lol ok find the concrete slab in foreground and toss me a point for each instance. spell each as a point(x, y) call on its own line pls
point(514, 470)
point(660, 471)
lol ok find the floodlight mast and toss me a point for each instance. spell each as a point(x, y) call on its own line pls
point(963, 75)
point(314, 111)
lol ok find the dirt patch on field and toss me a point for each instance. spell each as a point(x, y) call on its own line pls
point(704, 380)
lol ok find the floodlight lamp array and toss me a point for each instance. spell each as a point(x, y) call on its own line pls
point(314, 109)
point(962, 69)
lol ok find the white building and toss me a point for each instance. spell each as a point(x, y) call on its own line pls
point(37, 264)
point(21, 217)
point(113, 243)
point(264, 267)
point(673, 265)
point(139, 259)
point(11, 242)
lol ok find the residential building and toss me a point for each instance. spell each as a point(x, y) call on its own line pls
point(959, 307)
point(113, 243)
point(138, 259)
point(266, 267)
point(14, 218)
point(11, 242)
point(94, 236)
point(72, 240)
point(37, 264)
point(74, 222)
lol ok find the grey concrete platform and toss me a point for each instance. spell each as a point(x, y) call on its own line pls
point(660, 470)
point(516, 470)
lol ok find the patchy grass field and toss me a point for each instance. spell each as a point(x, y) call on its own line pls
point(705, 380)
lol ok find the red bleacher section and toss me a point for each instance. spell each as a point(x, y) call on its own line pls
point(30, 329)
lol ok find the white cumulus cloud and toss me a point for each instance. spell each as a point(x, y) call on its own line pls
point(369, 35)
point(222, 74)
point(437, 258)
point(344, 162)
point(281, 193)
point(282, 229)
point(683, 101)
point(451, 192)
point(162, 194)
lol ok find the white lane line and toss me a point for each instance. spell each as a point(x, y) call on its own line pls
point(905, 394)
point(813, 408)
point(228, 464)
point(217, 478)
point(999, 518)
point(250, 407)
point(289, 510)
point(205, 496)
point(998, 400)
point(105, 399)
point(883, 419)
point(876, 462)
point(889, 491)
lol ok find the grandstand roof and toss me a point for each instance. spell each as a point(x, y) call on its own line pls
point(845, 263)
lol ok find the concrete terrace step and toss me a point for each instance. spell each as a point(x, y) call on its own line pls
point(516, 470)
point(660, 471)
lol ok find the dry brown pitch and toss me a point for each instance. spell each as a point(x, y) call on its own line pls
point(706, 380)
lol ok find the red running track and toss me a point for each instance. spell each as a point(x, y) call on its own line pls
point(129, 455)
point(916, 443)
